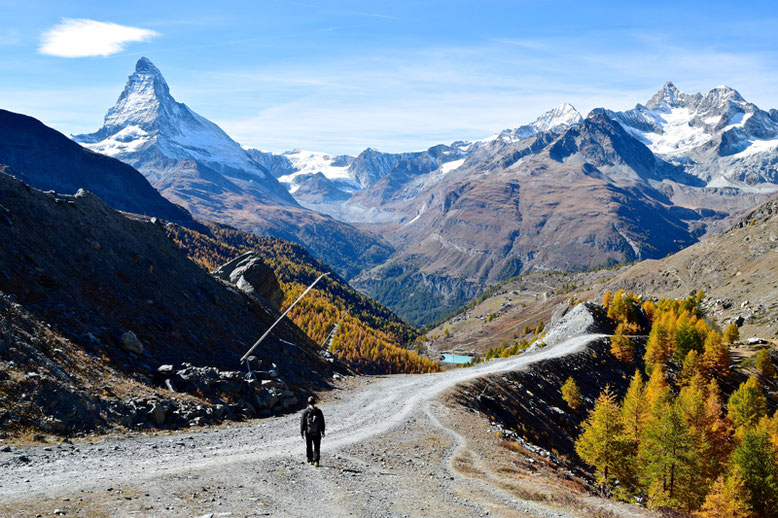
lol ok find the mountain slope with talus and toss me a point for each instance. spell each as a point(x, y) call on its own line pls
point(738, 270)
point(194, 163)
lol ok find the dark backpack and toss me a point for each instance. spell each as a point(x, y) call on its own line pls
point(313, 422)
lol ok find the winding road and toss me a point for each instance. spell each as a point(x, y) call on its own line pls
point(257, 468)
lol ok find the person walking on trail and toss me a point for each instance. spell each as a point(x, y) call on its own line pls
point(312, 430)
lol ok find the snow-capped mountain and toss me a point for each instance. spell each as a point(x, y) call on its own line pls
point(719, 137)
point(147, 124)
point(559, 119)
point(194, 163)
point(305, 173)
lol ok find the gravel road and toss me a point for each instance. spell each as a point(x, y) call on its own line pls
point(386, 454)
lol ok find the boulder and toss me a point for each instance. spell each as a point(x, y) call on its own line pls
point(165, 370)
point(252, 276)
point(227, 386)
point(156, 414)
point(131, 343)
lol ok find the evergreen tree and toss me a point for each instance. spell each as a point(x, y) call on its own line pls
point(670, 465)
point(601, 444)
point(747, 405)
point(755, 459)
point(687, 338)
point(571, 393)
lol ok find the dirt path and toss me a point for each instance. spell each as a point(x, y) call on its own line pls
point(388, 452)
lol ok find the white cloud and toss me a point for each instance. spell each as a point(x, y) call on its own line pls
point(79, 38)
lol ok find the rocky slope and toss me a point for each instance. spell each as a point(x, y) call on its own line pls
point(363, 333)
point(592, 193)
point(118, 292)
point(738, 271)
point(47, 159)
point(192, 162)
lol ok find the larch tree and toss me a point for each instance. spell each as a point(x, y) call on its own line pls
point(601, 443)
point(634, 414)
point(607, 298)
point(731, 334)
point(690, 369)
point(727, 499)
point(571, 393)
point(764, 363)
point(747, 405)
point(660, 344)
point(657, 391)
point(718, 434)
point(634, 409)
point(621, 346)
point(716, 359)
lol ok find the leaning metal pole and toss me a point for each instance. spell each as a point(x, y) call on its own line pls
point(245, 356)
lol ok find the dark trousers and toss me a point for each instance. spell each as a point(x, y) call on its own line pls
point(312, 444)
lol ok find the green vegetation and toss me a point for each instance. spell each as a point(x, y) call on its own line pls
point(571, 393)
point(369, 339)
point(673, 444)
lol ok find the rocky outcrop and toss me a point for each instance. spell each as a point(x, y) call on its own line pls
point(251, 275)
point(570, 321)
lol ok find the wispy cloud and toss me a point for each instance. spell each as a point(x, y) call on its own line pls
point(9, 38)
point(79, 38)
point(409, 100)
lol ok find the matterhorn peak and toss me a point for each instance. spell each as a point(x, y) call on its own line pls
point(145, 66)
point(147, 121)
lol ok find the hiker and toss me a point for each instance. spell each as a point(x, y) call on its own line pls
point(312, 430)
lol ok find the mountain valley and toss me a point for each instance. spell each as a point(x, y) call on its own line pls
point(565, 258)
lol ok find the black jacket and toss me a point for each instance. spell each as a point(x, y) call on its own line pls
point(312, 421)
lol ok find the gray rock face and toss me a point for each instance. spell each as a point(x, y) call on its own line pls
point(252, 276)
point(131, 343)
point(156, 414)
point(585, 318)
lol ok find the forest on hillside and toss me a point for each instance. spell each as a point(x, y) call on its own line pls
point(370, 338)
point(674, 440)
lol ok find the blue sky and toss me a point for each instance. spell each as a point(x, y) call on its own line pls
point(339, 76)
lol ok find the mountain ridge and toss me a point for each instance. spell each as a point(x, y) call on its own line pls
point(196, 164)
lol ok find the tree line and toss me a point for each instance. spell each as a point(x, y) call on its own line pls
point(671, 441)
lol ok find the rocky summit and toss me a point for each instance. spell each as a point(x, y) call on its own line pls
point(194, 163)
